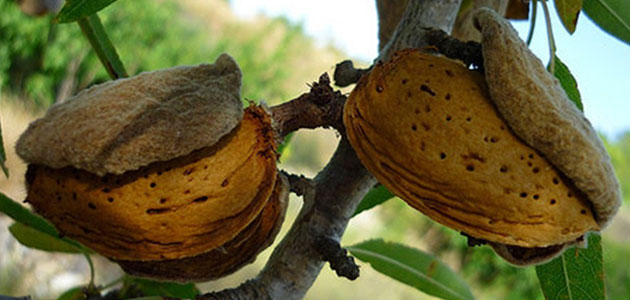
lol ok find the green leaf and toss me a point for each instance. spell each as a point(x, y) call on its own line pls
point(22, 215)
point(412, 267)
point(78, 9)
point(75, 293)
point(33, 238)
point(374, 197)
point(163, 289)
point(284, 147)
point(96, 35)
point(568, 10)
point(613, 16)
point(576, 274)
point(568, 83)
point(3, 156)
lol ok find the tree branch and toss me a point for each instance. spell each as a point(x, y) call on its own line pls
point(339, 187)
point(419, 16)
point(320, 107)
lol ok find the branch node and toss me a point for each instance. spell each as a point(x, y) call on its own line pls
point(346, 74)
point(338, 257)
point(299, 184)
point(320, 107)
point(468, 52)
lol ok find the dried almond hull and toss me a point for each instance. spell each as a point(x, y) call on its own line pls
point(167, 210)
point(424, 126)
point(227, 258)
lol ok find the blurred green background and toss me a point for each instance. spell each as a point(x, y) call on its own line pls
point(41, 64)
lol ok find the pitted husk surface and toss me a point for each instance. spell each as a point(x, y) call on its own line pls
point(168, 210)
point(536, 107)
point(227, 258)
point(425, 127)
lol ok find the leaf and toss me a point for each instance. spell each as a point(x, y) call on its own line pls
point(3, 156)
point(164, 289)
point(95, 33)
point(412, 267)
point(33, 238)
point(568, 83)
point(568, 10)
point(284, 147)
point(20, 214)
point(577, 274)
point(75, 293)
point(78, 9)
point(613, 16)
point(374, 197)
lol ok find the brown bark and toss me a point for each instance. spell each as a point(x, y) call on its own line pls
point(337, 190)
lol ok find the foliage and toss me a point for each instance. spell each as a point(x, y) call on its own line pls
point(576, 274)
point(619, 151)
point(413, 267)
point(40, 59)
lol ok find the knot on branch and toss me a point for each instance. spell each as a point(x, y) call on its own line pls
point(299, 184)
point(346, 74)
point(320, 107)
point(338, 257)
point(468, 52)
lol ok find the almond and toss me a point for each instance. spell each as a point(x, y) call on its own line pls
point(227, 258)
point(160, 171)
point(536, 107)
point(426, 128)
point(167, 210)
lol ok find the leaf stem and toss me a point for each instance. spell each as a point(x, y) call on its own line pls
point(95, 33)
point(552, 44)
point(532, 25)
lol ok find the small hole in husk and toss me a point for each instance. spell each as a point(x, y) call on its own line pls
point(425, 88)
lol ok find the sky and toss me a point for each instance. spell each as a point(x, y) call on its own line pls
point(599, 62)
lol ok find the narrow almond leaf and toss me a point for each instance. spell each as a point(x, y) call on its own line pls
point(33, 238)
point(412, 267)
point(20, 214)
point(613, 16)
point(374, 197)
point(568, 83)
point(95, 33)
point(576, 274)
point(3, 156)
point(78, 9)
point(568, 10)
point(164, 289)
